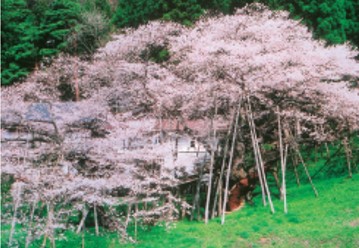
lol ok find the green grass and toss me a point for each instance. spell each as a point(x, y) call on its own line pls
point(331, 220)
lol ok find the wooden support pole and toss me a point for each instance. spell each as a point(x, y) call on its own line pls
point(214, 206)
point(295, 164)
point(347, 155)
point(82, 222)
point(195, 204)
point(213, 146)
point(257, 153)
point(258, 166)
point(16, 205)
point(219, 185)
point(128, 215)
point(305, 168)
point(51, 216)
point(136, 210)
point(284, 187)
point(327, 149)
point(29, 232)
point(96, 220)
point(282, 163)
point(230, 163)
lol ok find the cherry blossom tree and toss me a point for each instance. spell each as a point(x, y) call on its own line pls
point(113, 148)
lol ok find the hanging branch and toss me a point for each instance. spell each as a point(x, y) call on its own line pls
point(230, 162)
point(213, 148)
point(257, 153)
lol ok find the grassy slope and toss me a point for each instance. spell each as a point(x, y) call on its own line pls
point(331, 220)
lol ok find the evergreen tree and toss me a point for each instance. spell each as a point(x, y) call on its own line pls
point(18, 37)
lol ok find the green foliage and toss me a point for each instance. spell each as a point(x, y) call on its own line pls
point(89, 34)
point(133, 13)
point(336, 21)
point(155, 53)
point(18, 35)
point(33, 30)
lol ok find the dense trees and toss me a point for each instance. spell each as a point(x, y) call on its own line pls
point(18, 36)
point(332, 20)
point(34, 30)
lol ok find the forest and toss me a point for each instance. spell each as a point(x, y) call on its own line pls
point(179, 123)
point(34, 31)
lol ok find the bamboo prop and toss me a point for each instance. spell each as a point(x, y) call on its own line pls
point(295, 146)
point(82, 222)
point(214, 206)
point(283, 158)
point(50, 207)
point(328, 160)
point(128, 215)
point(347, 155)
point(16, 206)
point(95, 217)
point(213, 148)
point(257, 162)
point(195, 203)
point(28, 237)
point(257, 154)
point(136, 210)
point(327, 149)
point(284, 187)
point(295, 164)
point(219, 185)
point(49, 225)
point(316, 153)
point(230, 163)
